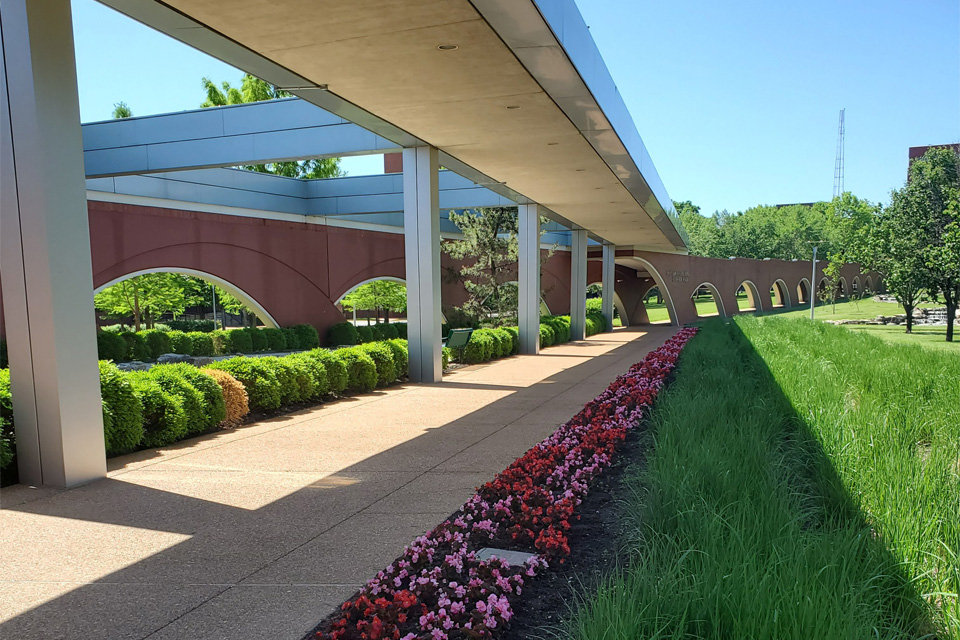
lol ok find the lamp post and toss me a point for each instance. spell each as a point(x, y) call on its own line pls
point(213, 297)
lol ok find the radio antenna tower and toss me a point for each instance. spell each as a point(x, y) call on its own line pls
point(838, 166)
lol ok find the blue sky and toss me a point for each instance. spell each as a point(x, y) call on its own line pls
point(737, 102)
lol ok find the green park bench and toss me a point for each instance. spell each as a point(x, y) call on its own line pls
point(458, 339)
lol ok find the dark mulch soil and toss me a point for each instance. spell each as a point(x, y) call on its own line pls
point(595, 546)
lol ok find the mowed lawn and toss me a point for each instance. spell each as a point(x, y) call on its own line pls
point(803, 482)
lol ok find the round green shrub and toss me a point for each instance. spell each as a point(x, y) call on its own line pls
point(258, 340)
point(377, 332)
point(276, 341)
point(292, 338)
point(382, 356)
point(158, 342)
point(546, 336)
point(240, 341)
point(181, 343)
point(337, 377)
point(295, 381)
point(164, 420)
point(172, 381)
point(366, 333)
point(361, 369)
point(506, 342)
point(480, 348)
point(343, 333)
point(515, 338)
point(401, 355)
point(202, 343)
point(136, 346)
point(401, 328)
point(446, 357)
point(259, 379)
point(122, 411)
point(213, 409)
point(389, 331)
point(307, 336)
point(317, 371)
point(110, 346)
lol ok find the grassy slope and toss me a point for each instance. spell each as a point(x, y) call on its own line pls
point(741, 524)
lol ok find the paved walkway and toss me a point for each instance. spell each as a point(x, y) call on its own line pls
point(262, 531)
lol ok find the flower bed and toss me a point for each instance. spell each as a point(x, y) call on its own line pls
point(439, 589)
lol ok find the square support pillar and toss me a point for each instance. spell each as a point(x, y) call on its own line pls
point(45, 262)
point(528, 275)
point(578, 284)
point(421, 230)
point(608, 282)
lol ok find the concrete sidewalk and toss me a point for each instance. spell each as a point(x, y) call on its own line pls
point(262, 531)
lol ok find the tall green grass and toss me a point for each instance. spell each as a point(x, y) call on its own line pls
point(745, 522)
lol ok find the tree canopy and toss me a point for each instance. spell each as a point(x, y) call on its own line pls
point(379, 296)
point(145, 297)
point(253, 89)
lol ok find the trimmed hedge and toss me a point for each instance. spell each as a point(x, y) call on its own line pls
point(337, 376)
point(318, 374)
point(122, 411)
point(136, 346)
point(546, 336)
point(596, 323)
point(365, 333)
point(276, 341)
point(202, 343)
point(191, 326)
point(257, 377)
point(110, 346)
point(343, 333)
point(382, 357)
point(514, 338)
point(481, 347)
point(401, 328)
point(158, 342)
point(361, 369)
point(173, 381)
point(389, 331)
point(307, 335)
point(7, 438)
point(291, 339)
point(258, 339)
point(164, 420)
point(181, 343)
point(401, 356)
point(207, 386)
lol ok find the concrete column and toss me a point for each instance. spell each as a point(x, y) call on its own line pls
point(45, 250)
point(578, 284)
point(609, 280)
point(421, 230)
point(529, 279)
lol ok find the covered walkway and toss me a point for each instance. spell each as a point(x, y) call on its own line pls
point(260, 532)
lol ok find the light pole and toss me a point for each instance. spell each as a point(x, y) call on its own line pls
point(813, 280)
point(213, 296)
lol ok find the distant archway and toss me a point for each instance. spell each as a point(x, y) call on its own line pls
point(641, 265)
point(855, 286)
point(258, 309)
point(868, 283)
point(842, 289)
point(703, 307)
point(803, 291)
point(752, 295)
point(617, 304)
point(780, 295)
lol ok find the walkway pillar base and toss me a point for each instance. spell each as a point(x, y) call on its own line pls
point(45, 262)
point(421, 230)
point(529, 278)
point(578, 284)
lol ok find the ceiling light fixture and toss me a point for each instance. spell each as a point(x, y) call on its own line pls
point(448, 47)
point(513, 107)
point(552, 144)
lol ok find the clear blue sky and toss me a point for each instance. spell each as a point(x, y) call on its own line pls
point(736, 101)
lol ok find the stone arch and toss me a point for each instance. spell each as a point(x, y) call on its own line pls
point(855, 286)
point(238, 293)
point(803, 291)
point(868, 283)
point(781, 294)
point(753, 296)
point(842, 288)
point(638, 263)
point(721, 311)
